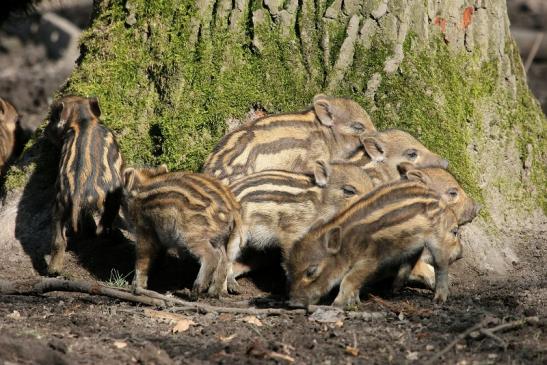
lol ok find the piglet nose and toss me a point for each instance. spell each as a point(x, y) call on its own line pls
point(444, 164)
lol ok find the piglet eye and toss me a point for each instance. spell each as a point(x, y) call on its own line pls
point(311, 271)
point(349, 190)
point(412, 154)
point(358, 126)
point(455, 231)
point(453, 193)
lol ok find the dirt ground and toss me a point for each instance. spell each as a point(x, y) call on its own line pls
point(61, 328)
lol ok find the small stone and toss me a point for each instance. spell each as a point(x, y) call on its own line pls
point(14, 315)
point(430, 348)
point(412, 356)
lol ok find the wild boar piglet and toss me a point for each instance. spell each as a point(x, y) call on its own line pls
point(8, 124)
point(450, 191)
point(328, 131)
point(190, 212)
point(372, 239)
point(279, 207)
point(382, 153)
point(89, 178)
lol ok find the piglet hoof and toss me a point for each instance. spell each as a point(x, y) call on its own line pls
point(135, 288)
point(233, 286)
point(440, 296)
point(54, 269)
point(351, 301)
point(198, 288)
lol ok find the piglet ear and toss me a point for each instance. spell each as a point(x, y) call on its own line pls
point(129, 178)
point(418, 175)
point(2, 107)
point(323, 109)
point(374, 148)
point(333, 240)
point(321, 173)
point(62, 110)
point(404, 168)
point(94, 106)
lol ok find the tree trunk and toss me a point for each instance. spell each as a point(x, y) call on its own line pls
point(171, 76)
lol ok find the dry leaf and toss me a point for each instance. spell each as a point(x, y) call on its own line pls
point(252, 320)
point(120, 344)
point(412, 356)
point(14, 315)
point(182, 325)
point(225, 317)
point(353, 351)
point(279, 356)
point(227, 338)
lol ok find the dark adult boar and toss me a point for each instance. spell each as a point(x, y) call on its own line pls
point(89, 179)
point(374, 238)
point(328, 131)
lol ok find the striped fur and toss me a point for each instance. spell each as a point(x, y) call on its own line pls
point(389, 148)
point(186, 211)
point(89, 179)
point(292, 142)
point(279, 207)
point(465, 209)
point(8, 123)
point(383, 233)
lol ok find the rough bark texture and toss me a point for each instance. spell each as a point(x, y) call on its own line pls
point(171, 76)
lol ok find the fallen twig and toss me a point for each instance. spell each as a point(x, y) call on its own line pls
point(489, 332)
point(142, 296)
point(515, 324)
point(46, 285)
point(405, 307)
point(458, 338)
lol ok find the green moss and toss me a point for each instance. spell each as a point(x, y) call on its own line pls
point(167, 85)
point(17, 177)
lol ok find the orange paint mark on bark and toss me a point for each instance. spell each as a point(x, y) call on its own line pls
point(441, 22)
point(467, 16)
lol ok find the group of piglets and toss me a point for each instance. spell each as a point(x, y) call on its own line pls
point(347, 205)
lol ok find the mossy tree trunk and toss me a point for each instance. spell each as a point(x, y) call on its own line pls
point(171, 76)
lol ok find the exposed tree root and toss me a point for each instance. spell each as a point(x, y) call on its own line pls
point(148, 297)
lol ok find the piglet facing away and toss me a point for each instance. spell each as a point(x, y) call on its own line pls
point(89, 178)
point(190, 212)
point(381, 235)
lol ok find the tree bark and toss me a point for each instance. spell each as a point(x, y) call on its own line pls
point(172, 75)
